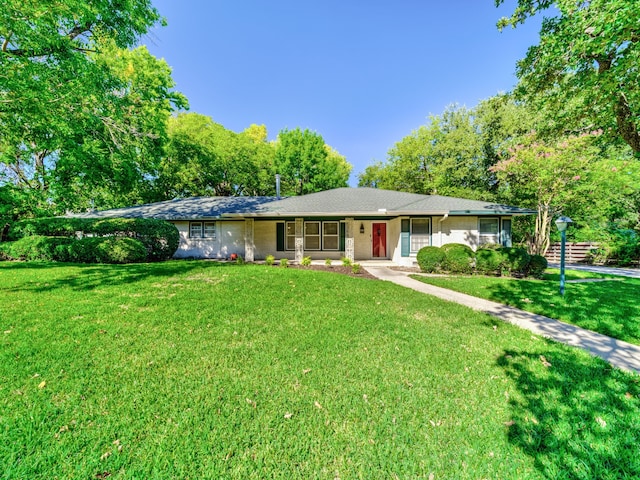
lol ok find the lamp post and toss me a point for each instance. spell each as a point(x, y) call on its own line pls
point(562, 223)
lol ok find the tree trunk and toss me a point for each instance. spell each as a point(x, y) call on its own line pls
point(626, 124)
point(539, 243)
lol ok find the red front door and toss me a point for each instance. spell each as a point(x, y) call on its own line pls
point(379, 240)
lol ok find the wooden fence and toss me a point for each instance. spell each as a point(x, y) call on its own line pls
point(577, 252)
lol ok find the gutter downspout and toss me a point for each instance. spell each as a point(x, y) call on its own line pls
point(446, 215)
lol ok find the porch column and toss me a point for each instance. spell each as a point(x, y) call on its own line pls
point(249, 245)
point(299, 239)
point(349, 240)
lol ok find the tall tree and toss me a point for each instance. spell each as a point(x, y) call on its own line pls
point(204, 158)
point(75, 105)
point(306, 164)
point(451, 155)
point(585, 67)
point(571, 177)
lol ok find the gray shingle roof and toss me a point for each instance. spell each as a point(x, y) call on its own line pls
point(373, 201)
point(337, 202)
point(193, 208)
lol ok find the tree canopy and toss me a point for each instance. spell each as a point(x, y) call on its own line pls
point(306, 164)
point(82, 117)
point(585, 67)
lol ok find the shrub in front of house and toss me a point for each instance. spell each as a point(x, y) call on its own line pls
point(104, 250)
point(36, 247)
point(306, 261)
point(269, 260)
point(489, 261)
point(537, 266)
point(458, 258)
point(516, 261)
point(430, 259)
point(160, 238)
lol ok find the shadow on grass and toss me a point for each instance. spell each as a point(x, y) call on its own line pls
point(578, 419)
point(90, 276)
point(608, 307)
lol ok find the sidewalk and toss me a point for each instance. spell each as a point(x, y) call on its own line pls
point(620, 354)
point(623, 272)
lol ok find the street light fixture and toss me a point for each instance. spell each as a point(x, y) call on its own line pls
point(562, 223)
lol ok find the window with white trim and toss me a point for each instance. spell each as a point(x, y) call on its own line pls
point(209, 230)
point(330, 235)
point(420, 233)
point(290, 236)
point(195, 230)
point(312, 235)
point(489, 230)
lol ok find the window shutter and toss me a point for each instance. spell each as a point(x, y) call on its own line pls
point(343, 233)
point(405, 244)
point(280, 237)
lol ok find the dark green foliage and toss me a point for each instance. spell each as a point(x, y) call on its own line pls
point(537, 266)
point(107, 250)
point(35, 247)
point(489, 261)
point(67, 249)
point(458, 258)
point(516, 261)
point(160, 238)
point(430, 259)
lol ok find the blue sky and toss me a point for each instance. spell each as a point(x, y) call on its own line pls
point(363, 74)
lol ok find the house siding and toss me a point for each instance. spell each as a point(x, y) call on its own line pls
point(229, 239)
point(455, 230)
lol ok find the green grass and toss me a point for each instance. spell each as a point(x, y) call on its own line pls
point(199, 370)
point(610, 307)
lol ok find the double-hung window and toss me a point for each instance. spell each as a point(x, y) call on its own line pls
point(489, 230)
point(420, 233)
point(202, 230)
point(195, 230)
point(290, 236)
point(209, 230)
point(330, 235)
point(312, 235)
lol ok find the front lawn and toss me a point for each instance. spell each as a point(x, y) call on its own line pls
point(202, 370)
point(610, 307)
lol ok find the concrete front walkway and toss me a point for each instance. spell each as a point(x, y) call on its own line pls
point(620, 354)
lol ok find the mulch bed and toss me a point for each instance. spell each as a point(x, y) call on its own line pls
point(335, 269)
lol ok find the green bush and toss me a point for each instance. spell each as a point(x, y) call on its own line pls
point(430, 259)
point(36, 247)
point(355, 268)
point(306, 261)
point(516, 261)
point(106, 250)
point(346, 262)
point(269, 260)
point(160, 238)
point(284, 262)
point(489, 261)
point(537, 266)
point(458, 258)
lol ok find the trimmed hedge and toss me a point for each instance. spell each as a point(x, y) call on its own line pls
point(516, 261)
point(159, 238)
point(85, 250)
point(430, 259)
point(35, 247)
point(459, 258)
point(537, 265)
point(489, 261)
